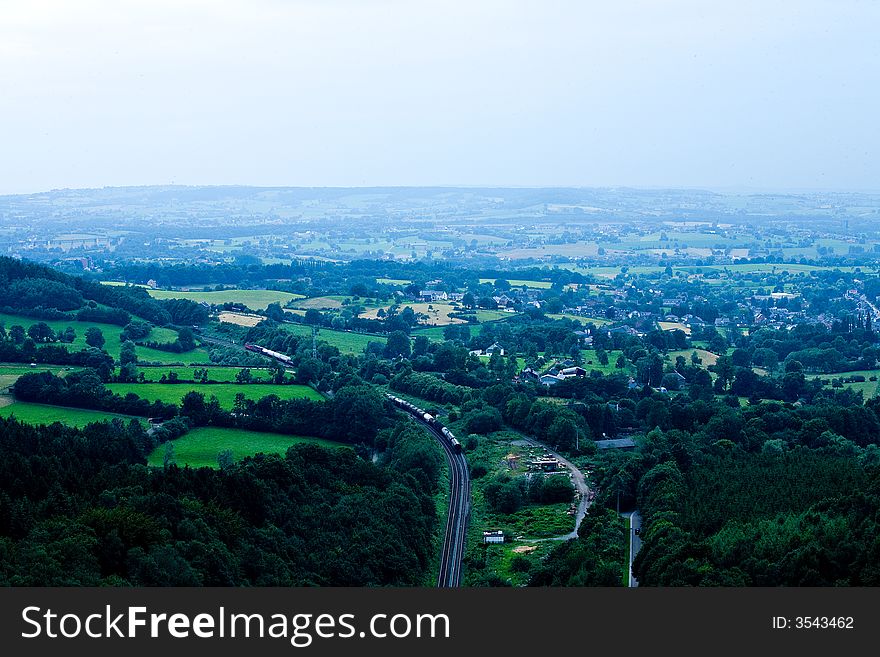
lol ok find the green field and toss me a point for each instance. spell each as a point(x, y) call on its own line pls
point(435, 333)
point(45, 414)
point(200, 447)
point(219, 374)
point(17, 369)
point(598, 321)
point(172, 393)
point(868, 387)
point(9, 373)
point(345, 341)
point(321, 303)
point(121, 284)
point(112, 343)
point(492, 315)
point(746, 268)
point(254, 299)
point(540, 285)
point(393, 281)
point(592, 363)
point(707, 356)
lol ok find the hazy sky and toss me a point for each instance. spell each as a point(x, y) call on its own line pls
point(708, 93)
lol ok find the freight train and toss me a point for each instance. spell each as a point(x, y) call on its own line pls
point(276, 355)
point(428, 419)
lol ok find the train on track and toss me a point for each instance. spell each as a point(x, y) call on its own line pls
point(428, 419)
point(276, 355)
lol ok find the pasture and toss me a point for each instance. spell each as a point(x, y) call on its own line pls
point(345, 341)
point(200, 447)
point(215, 373)
point(254, 299)
point(45, 414)
point(672, 326)
point(173, 393)
point(540, 285)
point(111, 333)
point(435, 314)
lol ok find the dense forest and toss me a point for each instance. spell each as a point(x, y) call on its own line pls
point(80, 508)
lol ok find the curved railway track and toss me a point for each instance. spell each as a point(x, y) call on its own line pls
point(452, 551)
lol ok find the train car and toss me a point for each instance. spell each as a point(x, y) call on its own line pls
point(453, 441)
point(277, 355)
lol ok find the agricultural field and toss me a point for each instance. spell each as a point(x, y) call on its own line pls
point(121, 284)
point(671, 326)
point(254, 299)
point(435, 333)
point(173, 393)
point(598, 321)
point(321, 303)
point(869, 388)
point(345, 341)
point(112, 343)
point(200, 447)
point(197, 356)
point(592, 363)
point(436, 314)
point(9, 373)
point(393, 281)
point(219, 374)
point(576, 250)
point(240, 319)
point(708, 357)
point(492, 315)
point(540, 285)
point(46, 414)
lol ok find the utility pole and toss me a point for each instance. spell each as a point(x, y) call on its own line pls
point(314, 343)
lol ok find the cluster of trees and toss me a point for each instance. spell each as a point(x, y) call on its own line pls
point(799, 517)
point(29, 293)
point(85, 389)
point(507, 495)
point(79, 508)
point(559, 426)
point(842, 348)
point(429, 387)
point(29, 352)
point(185, 312)
point(103, 315)
point(186, 341)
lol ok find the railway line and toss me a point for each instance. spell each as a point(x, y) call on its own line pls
point(452, 551)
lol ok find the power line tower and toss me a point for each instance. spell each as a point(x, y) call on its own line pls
point(314, 342)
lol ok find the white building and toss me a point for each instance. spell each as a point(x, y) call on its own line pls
point(493, 536)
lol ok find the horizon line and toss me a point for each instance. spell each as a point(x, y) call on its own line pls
point(721, 190)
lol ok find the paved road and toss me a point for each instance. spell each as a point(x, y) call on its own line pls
point(635, 543)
